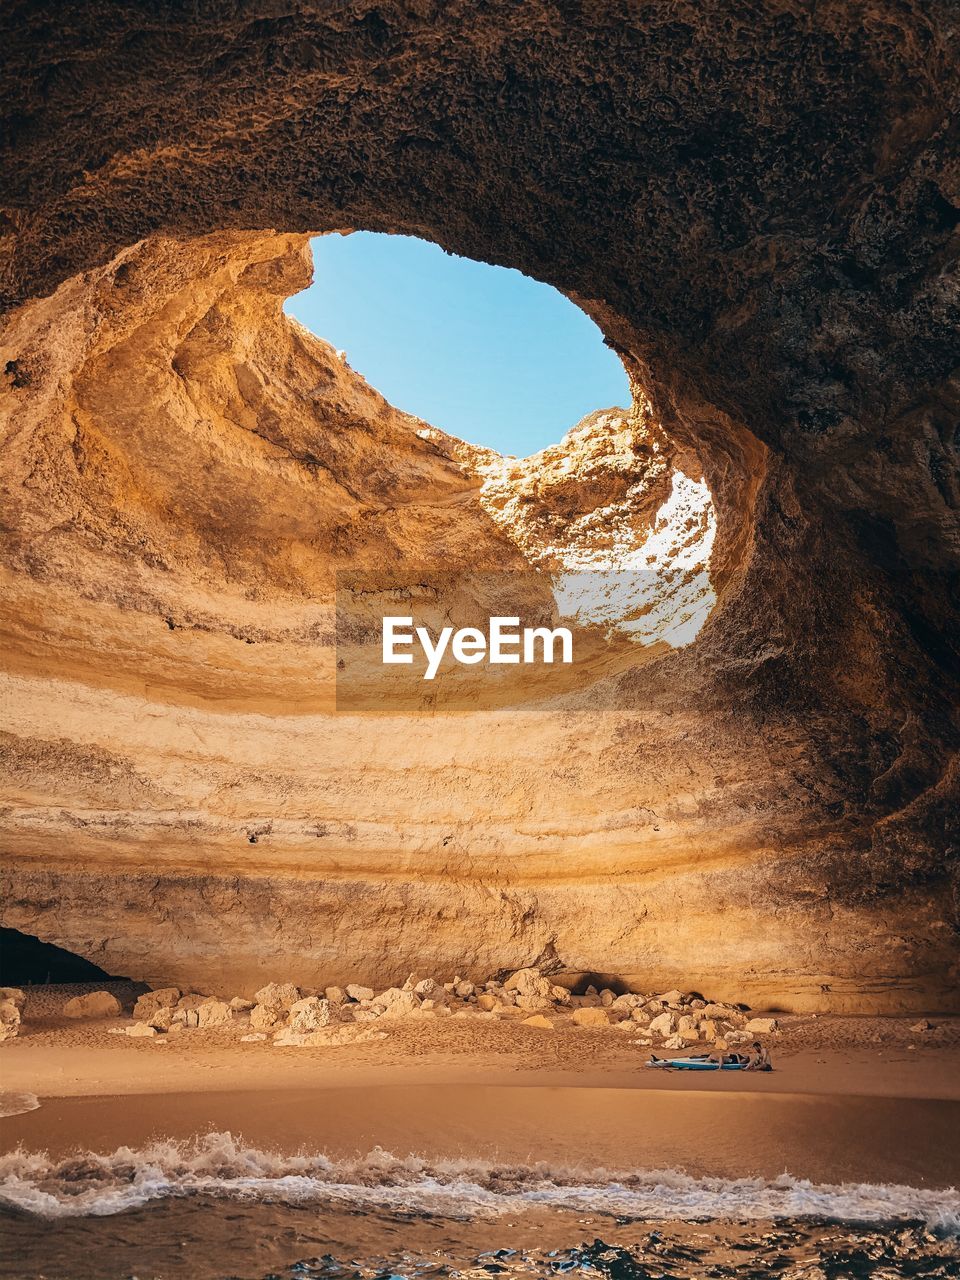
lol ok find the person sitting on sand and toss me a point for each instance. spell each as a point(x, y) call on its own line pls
point(758, 1059)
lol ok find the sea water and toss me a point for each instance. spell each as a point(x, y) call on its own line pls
point(214, 1206)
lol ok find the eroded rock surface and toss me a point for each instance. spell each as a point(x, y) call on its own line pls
point(761, 211)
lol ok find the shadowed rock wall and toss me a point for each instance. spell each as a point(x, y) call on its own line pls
point(759, 206)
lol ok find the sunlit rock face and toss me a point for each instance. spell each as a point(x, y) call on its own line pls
point(760, 210)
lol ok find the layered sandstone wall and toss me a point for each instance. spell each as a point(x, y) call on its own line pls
point(759, 204)
point(185, 470)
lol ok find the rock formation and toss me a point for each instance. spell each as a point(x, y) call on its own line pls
point(760, 210)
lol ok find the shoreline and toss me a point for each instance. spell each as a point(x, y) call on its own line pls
point(601, 1133)
point(865, 1099)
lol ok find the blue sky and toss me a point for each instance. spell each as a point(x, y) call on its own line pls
point(483, 352)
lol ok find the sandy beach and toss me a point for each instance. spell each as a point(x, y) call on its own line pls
point(442, 1139)
point(877, 1089)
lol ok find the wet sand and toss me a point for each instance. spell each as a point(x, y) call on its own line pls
point(702, 1132)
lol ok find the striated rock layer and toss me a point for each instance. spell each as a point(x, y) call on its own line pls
point(760, 209)
point(185, 471)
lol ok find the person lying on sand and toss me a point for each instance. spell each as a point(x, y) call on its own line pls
point(719, 1053)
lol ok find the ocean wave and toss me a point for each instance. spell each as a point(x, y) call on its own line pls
point(17, 1104)
point(216, 1164)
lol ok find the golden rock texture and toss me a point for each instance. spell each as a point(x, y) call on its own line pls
point(760, 208)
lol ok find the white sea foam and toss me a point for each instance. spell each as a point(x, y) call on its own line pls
point(216, 1164)
point(17, 1104)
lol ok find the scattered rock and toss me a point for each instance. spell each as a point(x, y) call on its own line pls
point(162, 1020)
point(264, 1017)
point(359, 993)
point(148, 1004)
point(309, 1015)
point(214, 1013)
point(591, 1018)
point(98, 1004)
point(278, 995)
point(192, 1001)
point(396, 1003)
point(662, 1024)
point(9, 1020)
point(762, 1026)
point(254, 1035)
point(140, 1031)
point(532, 991)
point(923, 1025)
point(538, 1020)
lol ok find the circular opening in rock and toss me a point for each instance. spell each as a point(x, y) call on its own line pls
point(575, 469)
point(482, 352)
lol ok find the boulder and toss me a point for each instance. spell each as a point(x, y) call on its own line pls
point(278, 995)
point(686, 1025)
point(399, 1005)
point(713, 1010)
point(140, 1031)
point(708, 1029)
point(538, 1020)
point(673, 1042)
point(356, 992)
point(264, 1017)
point(487, 1001)
point(509, 1011)
point(464, 990)
point(607, 997)
point(559, 995)
point(148, 1004)
point(253, 1036)
point(591, 1018)
point(9, 1020)
point(162, 1020)
point(673, 997)
point(662, 1024)
point(762, 1026)
point(239, 1005)
point(309, 1015)
point(98, 1004)
point(12, 995)
point(192, 1000)
point(528, 982)
point(336, 995)
point(923, 1025)
point(214, 1013)
point(185, 1018)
